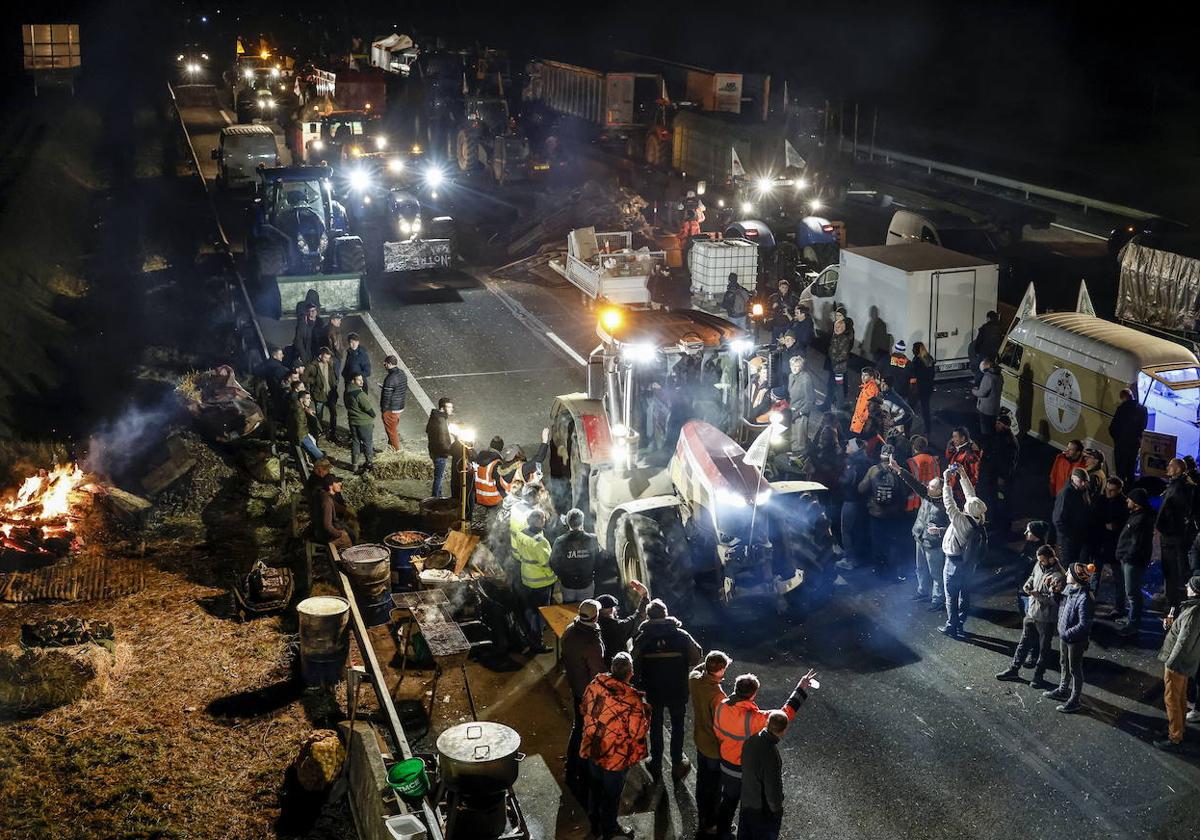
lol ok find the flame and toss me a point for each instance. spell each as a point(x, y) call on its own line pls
point(42, 500)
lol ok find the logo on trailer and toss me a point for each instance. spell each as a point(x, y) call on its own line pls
point(1062, 397)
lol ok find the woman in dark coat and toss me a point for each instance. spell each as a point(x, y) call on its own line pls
point(922, 371)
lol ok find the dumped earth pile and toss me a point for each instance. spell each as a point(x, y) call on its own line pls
point(593, 204)
point(193, 492)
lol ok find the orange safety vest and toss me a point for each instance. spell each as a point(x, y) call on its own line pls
point(735, 722)
point(869, 390)
point(925, 468)
point(486, 492)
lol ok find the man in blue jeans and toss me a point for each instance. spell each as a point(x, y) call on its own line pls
point(964, 544)
point(441, 443)
point(663, 656)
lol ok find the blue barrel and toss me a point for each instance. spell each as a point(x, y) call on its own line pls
point(404, 545)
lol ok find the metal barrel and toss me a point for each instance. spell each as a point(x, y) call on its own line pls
point(324, 638)
point(440, 514)
point(404, 545)
point(368, 566)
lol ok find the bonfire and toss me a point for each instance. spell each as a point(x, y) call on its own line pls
point(38, 520)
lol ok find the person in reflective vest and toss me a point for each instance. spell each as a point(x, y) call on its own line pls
point(531, 550)
point(736, 721)
point(923, 466)
point(487, 462)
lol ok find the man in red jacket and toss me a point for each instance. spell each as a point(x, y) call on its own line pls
point(736, 721)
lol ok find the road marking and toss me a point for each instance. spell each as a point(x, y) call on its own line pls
point(570, 352)
point(1078, 231)
point(414, 386)
point(228, 119)
point(534, 324)
point(486, 373)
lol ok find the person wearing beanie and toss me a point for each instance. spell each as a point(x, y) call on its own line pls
point(1073, 516)
point(1040, 593)
point(1180, 655)
point(1135, 544)
point(706, 693)
point(582, 659)
point(887, 498)
point(663, 656)
point(964, 544)
point(1076, 613)
point(899, 375)
point(616, 631)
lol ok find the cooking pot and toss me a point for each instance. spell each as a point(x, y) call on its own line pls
point(480, 757)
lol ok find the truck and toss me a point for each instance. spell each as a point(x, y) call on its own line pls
point(616, 106)
point(240, 151)
point(918, 292)
point(672, 495)
point(1158, 289)
point(605, 267)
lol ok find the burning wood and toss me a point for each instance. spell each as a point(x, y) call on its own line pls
point(38, 519)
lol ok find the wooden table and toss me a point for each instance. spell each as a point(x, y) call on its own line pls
point(559, 617)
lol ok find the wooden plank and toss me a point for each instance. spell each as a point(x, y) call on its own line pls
point(559, 617)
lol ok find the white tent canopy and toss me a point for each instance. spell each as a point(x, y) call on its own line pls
point(385, 51)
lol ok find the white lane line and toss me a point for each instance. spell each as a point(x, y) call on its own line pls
point(531, 321)
point(414, 386)
point(567, 348)
point(228, 119)
point(487, 373)
point(1078, 231)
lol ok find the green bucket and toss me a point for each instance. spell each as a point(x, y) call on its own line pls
point(408, 778)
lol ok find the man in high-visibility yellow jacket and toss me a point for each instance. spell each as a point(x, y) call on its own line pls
point(531, 550)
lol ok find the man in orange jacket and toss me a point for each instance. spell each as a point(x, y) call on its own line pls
point(736, 721)
point(868, 391)
point(616, 720)
point(1064, 462)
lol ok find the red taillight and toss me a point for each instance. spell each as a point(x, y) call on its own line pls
point(827, 228)
point(751, 234)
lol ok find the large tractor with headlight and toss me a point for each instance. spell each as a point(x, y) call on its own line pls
point(300, 240)
point(649, 453)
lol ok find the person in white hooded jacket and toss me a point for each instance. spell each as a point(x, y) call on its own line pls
point(964, 544)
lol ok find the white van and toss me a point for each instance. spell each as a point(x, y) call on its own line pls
point(1063, 372)
point(958, 233)
point(242, 149)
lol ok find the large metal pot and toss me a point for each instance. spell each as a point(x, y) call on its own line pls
point(479, 758)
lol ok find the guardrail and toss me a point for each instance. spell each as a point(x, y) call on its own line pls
point(237, 290)
point(977, 177)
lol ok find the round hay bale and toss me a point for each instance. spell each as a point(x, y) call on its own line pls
point(36, 679)
point(320, 760)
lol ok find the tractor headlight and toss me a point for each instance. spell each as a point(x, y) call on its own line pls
point(395, 165)
point(355, 151)
point(405, 227)
point(801, 184)
point(274, 72)
point(741, 346)
point(434, 177)
point(380, 143)
point(765, 185)
point(728, 497)
point(318, 145)
point(747, 208)
point(814, 205)
point(360, 180)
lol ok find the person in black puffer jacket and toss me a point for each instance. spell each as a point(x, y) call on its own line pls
point(663, 655)
point(574, 558)
point(582, 658)
point(1173, 524)
point(1072, 517)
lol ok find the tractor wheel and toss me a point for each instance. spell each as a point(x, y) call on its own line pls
point(818, 567)
point(352, 257)
point(656, 553)
point(467, 150)
point(656, 150)
point(269, 259)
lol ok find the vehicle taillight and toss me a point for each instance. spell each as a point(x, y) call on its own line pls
point(827, 228)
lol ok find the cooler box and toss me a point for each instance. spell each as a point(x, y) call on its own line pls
point(710, 264)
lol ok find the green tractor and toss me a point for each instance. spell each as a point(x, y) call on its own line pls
point(491, 139)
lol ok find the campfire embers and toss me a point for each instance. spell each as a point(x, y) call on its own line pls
point(38, 521)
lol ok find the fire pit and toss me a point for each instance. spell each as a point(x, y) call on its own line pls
point(38, 522)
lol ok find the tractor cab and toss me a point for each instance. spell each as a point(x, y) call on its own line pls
point(346, 136)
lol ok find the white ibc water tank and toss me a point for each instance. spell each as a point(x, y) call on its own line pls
point(710, 264)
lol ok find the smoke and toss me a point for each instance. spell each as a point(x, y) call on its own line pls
point(121, 443)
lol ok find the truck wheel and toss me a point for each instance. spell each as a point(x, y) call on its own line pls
point(269, 258)
point(656, 554)
point(467, 151)
point(352, 257)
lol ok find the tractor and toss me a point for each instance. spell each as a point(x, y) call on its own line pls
point(651, 454)
point(299, 238)
point(490, 138)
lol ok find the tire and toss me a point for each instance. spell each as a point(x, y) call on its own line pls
point(657, 554)
point(269, 259)
point(352, 257)
point(819, 571)
point(467, 151)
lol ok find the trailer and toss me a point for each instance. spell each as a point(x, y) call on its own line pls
point(606, 101)
point(918, 292)
point(605, 266)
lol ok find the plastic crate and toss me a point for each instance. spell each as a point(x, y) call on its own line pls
point(710, 264)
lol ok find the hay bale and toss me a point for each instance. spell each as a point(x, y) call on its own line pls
point(393, 465)
point(37, 679)
point(320, 760)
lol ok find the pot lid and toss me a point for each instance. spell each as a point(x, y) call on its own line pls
point(478, 742)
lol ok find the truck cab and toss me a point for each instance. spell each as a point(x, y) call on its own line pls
point(241, 149)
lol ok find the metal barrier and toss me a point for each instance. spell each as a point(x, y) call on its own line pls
point(976, 178)
point(237, 290)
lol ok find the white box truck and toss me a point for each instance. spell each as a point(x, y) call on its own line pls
point(915, 292)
